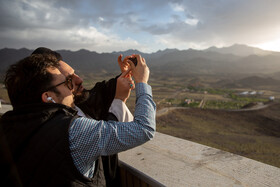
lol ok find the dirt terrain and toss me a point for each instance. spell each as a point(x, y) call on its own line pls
point(254, 134)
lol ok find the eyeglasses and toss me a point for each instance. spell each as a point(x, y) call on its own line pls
point(67, 82)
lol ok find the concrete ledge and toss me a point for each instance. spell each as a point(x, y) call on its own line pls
point(5, 108)
point(176, 162)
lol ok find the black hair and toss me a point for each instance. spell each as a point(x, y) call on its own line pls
point(47, 51)
point(27, 79)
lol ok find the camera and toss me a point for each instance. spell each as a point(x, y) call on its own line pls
point(134, 60)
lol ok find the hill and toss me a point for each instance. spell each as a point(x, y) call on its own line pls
point(253, 134)
point(10, 56)
point(251, 82)
point(255, 81)
point(240, 50)
point(237, 60)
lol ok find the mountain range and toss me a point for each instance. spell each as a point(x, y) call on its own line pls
point(237, 60)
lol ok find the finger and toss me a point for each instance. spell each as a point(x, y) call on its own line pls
point(139, 58)
point(143, 59)
point(125, 73)
point(128, 75)
point(120, 59)
point(132, 85)
point(127, 57)
point(131, 64)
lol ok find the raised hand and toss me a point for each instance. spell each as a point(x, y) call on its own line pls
point(124, 86)
point(124, 65)
point(140, 72)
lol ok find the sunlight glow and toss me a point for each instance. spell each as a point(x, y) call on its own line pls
point(271, 45)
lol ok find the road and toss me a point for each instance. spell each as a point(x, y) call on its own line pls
point(164, 111)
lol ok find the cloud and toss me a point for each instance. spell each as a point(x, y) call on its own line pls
point(76, 38)
point(177, 7)
point(223, 22)
point(60, 25)
point(148, 25)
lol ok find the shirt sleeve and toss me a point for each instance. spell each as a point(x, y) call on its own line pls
point(90, 138)
point(120, 110)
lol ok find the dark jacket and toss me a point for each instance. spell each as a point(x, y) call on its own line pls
point(97, 104)
point(99, 100)
point(38, 139)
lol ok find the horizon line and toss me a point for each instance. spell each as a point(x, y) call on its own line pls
point(72, 50)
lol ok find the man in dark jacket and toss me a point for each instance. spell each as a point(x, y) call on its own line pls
point(50, 144)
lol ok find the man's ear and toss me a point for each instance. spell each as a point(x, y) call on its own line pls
point(45, 97)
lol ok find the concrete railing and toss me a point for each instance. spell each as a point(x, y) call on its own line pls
point(5, 108)
point(171, 161)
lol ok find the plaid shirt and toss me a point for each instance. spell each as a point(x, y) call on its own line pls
point(90, 139)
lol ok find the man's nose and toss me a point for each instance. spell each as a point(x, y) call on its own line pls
point(78, 80)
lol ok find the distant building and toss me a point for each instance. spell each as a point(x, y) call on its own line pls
point(253, 93)
point(244, 93)
point(189, 101)
point(271, 98)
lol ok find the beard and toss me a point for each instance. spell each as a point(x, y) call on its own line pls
point(81, 97)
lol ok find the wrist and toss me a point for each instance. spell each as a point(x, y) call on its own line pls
point(141, 81)
point(121, 98)
point(142, 88)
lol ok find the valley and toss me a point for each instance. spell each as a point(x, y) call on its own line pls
point(244, 125)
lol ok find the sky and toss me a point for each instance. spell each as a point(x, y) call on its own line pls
point(144, 25)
